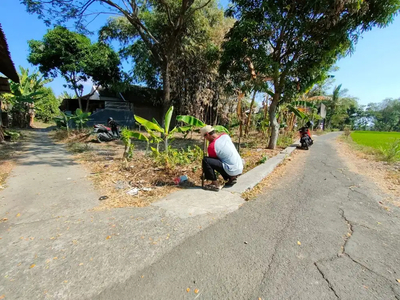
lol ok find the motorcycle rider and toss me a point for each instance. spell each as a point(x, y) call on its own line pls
point(114, 126)
point(305, 135)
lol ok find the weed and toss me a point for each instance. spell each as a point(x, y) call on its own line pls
point(79, 147)
point(262, 160)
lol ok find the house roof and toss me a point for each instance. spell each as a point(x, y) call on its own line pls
point(6, 64)
point(135, 94)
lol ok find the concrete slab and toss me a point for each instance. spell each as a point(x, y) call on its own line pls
point(250, 179)
point(193, 202)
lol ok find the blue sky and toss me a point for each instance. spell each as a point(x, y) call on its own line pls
point(371, 74)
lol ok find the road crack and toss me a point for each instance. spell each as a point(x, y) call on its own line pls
point(326, 279)
point(348, 234)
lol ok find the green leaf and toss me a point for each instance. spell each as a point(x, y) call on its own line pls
point(148, 124)
point(168, 117)
point(298, 113)
point(190, 120)
point(155, 151)
point(220, 128)
point(139, 136)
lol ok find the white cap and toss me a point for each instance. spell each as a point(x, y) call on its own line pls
point(206, 129)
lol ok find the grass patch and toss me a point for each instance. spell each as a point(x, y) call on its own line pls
point(286, 139)
point(384, 145)
point(375, 139)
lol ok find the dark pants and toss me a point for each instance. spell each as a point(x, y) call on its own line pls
point(210, 165)
point(115, 131)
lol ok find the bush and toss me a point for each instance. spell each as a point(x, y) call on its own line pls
point(347, 131)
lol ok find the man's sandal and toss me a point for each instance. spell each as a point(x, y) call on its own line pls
point(211, 187)
point(231, 181)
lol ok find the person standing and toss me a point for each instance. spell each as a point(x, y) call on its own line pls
point(114, 126)
point(222, 157)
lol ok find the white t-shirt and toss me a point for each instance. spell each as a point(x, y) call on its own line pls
point(227, 153)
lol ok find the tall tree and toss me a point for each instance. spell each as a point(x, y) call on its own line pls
point(161, 43)
point(76, 59)
point(195, 84)
point(297, 42)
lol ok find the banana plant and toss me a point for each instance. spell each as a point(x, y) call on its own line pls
point(63, 120)
point(80, 118)
point(127, 136)
point(165, 133)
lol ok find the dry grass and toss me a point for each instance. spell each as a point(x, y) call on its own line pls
point(364, 161)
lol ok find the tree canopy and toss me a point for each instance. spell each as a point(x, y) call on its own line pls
point(75, 58)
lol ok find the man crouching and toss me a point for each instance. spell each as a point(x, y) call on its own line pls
point(222, 157)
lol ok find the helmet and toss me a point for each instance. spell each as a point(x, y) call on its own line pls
point(310, 124)
point(110, 119)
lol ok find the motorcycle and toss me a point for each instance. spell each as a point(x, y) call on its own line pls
point(305, 138)
point(104, 133)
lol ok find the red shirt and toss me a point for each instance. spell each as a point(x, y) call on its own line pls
point(211, 148)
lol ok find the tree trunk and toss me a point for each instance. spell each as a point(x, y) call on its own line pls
point(80, 102)
point(87, 105)
point(246, 132)
point(166, 90)
point(273, 123)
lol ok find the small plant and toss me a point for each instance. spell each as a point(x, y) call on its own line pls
point(13, 135)
point(391, 152)
point(262, 160)
point(79, 147)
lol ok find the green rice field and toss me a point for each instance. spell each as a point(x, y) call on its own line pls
point(375, 139)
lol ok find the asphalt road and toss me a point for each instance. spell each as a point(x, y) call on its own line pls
point(320, 233)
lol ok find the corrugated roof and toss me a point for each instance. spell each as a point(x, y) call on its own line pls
point(6, 64)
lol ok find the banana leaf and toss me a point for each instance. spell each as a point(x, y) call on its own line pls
point(296, 112)
point(190, 120)
point(148, 124)
point(168, 117)
point(139, 136)
point(220, 128)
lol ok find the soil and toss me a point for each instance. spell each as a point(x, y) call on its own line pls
point(386, 176)
point(9, 152)
point(115, 177)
